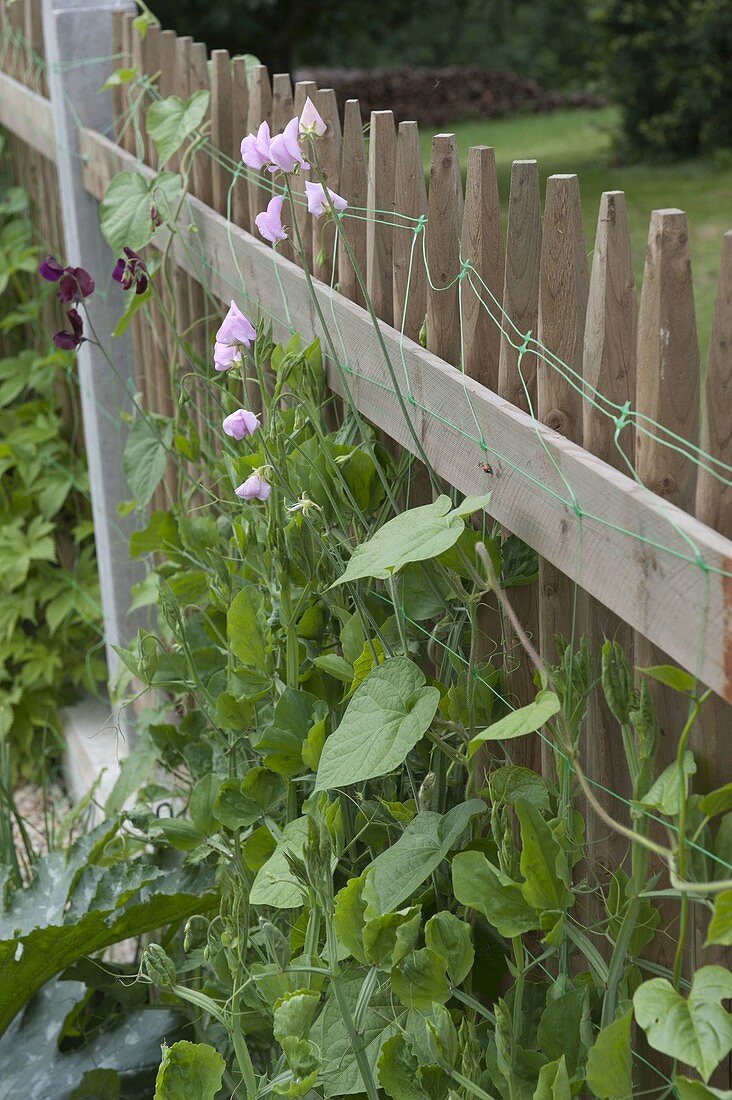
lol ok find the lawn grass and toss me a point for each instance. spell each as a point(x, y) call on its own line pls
point(581, 141)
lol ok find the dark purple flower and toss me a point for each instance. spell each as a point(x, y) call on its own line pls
point(75, 285)
point(51, 269)
point(69, 341)
point(156, 217)
point(131, 271)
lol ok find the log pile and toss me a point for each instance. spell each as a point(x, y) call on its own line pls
point(435, 96)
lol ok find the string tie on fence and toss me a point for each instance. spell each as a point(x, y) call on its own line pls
point(464, 269)
point(621, 420)
point(420, 224)
point(524, 347)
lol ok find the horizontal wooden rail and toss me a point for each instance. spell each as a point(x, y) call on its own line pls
point(27, 115)
point(657, 568)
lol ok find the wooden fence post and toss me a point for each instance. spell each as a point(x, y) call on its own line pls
point(76, 30)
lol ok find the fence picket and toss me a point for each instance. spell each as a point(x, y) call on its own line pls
point(517, 383)
point(668, 394)
point(380, 204)
point(410, 199)
point(202, 170)
point(260, 110)
point(444, 224)
point(354, 186)
point(282, 111)
point(328, 149)
point(482, 244)
point(239, 128)
point(609, 366)
point(221, 143)
point(304, 89)
point(563, 288)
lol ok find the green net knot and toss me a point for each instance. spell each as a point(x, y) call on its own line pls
point(421, 222)
point(464, 269)
point(411, 399)
point(622, 419)
point(524, 347)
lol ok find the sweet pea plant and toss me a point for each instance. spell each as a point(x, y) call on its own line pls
point(400, 910)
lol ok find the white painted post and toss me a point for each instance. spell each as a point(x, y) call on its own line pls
point(79, 46)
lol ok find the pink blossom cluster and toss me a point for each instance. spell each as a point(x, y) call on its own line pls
point(283, 153)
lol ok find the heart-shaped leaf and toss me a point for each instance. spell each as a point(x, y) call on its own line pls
point(171, 121)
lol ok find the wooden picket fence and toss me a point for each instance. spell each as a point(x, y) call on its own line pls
point(653, 568)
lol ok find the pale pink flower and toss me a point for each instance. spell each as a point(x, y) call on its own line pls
point(254, 488)
point(318, 203)
point(284, 150)
point(241, 423)
point(236, 332)
point(269, 222)
point(311, 121)
point(255, 148)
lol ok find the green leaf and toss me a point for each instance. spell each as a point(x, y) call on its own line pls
point(560, 1030)
point(387, 939)
point(553, 1082)
point(146, 455)
point(275, 885)
point(416, 535)
point(718, 801)
point(511, 782)
point(294, 1014)
point(75, 907)
point(119, 78)
point(133, 303)
point(189, 1071)
point(673, 677)
point(171, 121)
point(720, 926)
point(419, 981)
point(695, 1090)
point(161, 533)
point(398, 1069)
point(520, 722)
point(245, 630)
point(483, 887)
point(450, 938)
point(543, 862)
point(400, 870)
point(665, 794)
point(386, 717)
point(610, 1061)
point(126, 209)
point(241, 802)
point(335, 666)
point(696, 1030)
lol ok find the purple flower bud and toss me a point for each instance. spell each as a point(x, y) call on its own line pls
point(254, 488)
point(51, 269)
point(155, 217)
point(131, 271)
point(241, 423)
point(69, 341)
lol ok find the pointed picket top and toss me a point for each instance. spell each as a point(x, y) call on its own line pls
point(304, 89)
point(410, 199)
point(239, 130)
point(328, 149)
point(444, 225)
point(260, 110)
point(610, 333)
point(482, 245)
point(380, 204)
point(354, 186)
point(521, 287)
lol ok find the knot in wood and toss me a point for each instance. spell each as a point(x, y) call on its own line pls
point(557, 420)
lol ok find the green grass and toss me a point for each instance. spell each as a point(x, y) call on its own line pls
point(581, 141)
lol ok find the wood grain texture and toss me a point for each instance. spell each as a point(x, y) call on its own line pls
point(221, 139)
point(563, 287)
point(410, 199)
point(667, 393)
point(354, 187)
point(239, 130)
point(630, 556)
point(202, 170)
point(380, 204)
point(260, 110)
point(328, 150)
point(517, 383)
point(27, 115)
point(444, 225)
point(304, 89)
point(609, 367)
point(482, 244)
